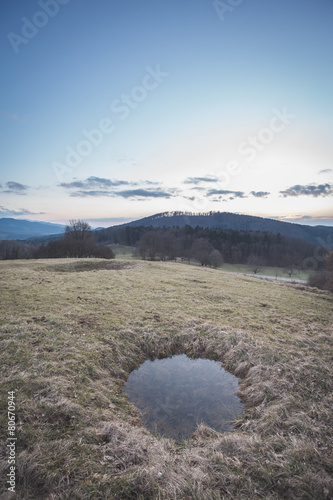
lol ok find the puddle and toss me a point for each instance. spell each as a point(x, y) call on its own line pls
point(176, 394)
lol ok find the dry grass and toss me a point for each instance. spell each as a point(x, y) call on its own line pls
point(71, 332)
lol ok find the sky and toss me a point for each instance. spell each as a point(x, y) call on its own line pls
point(111, 111)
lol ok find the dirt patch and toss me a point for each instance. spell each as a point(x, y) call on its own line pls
point(88, 265)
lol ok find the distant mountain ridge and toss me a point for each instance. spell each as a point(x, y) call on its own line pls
point(20, 229)
point(322, 235)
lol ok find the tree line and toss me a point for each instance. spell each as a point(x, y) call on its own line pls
point(78, 241)
point(208, 246)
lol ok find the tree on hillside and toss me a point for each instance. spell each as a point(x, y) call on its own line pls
point(291, 270)
point(78, 230)
point(256, 263)
point(149, 245)
point(201, 250)
point(78, 242)
point(215, 258)
point(78, 239)
point(323, 279)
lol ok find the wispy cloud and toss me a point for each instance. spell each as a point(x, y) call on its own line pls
point(110, 221)
point(227, 194)
point(15, 187)
point(325, 171)
point(21, 211)
point(99, 187)
point(92, 193)
point(145, 193)
point(260, 194)
point(199, 180)
point(94, 182)
point(12, 116)
point(309, 190)
point(323, 220)
point(128, 194)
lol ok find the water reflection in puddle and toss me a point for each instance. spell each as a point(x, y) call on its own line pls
point(176, 394)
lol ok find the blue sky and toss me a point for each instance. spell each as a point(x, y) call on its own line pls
point(114, 110)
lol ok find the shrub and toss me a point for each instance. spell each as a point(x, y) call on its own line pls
point(322, 280)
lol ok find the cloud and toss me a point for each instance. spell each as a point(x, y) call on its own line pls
point(198, 180)
point(72, 185)
point(15, 187)
point(311, 220)
point(129, 193)
point(100, 187)
point(21, 211)
point(198, 188)
point(12, 116)
point(99, 181)
point(94, 182)
point(144, 193)
point(93, 193)
point(310, 190)
point(220, 195)
point(147, 183)
point(222, 192)
point(126, 160)
point(325, 171)
point(109, 221)
point(260, 194)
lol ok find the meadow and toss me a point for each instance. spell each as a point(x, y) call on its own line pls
point(124, 252)
point(73, 330)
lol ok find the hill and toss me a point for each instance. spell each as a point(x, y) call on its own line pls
point(314, 234)
point(20, 229)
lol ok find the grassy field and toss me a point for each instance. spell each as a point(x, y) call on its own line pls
point(124, 252)
point(72, 331)
point(265, 271)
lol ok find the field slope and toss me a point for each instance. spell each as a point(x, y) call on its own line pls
point(72, 331)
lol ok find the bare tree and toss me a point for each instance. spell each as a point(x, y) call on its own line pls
point(291, 270)
point(78, 239)
point(78, 230)
point(256, 263)
point(148, 245)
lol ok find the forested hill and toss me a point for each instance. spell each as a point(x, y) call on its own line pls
point(322, 235)
point(20, 229)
